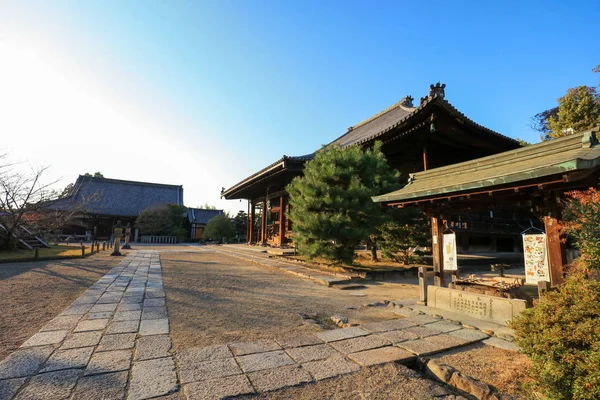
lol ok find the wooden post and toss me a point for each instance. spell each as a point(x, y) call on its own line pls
point(251, 222)
point(424, 156)
point(281, 227)
point(82, 250)
point(103, 246)
point(555, 254)
point(263, 227)
point(422, 286)
point(437, 247)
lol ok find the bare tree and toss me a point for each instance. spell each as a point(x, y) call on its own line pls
point(26, 201)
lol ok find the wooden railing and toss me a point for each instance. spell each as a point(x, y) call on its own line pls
point(158, 239)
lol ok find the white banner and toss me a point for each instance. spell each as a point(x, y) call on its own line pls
point(536, 258)
point(450, 263)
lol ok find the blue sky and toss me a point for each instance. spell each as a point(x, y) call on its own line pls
point(204, 93)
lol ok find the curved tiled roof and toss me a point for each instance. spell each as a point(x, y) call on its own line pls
point(119, 197)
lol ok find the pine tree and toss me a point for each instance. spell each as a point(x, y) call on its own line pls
point(331, 205)
point(578, 110)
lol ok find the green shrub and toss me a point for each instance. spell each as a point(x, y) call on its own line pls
point(561, 336)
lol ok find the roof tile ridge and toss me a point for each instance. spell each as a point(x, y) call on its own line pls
point(379, 114)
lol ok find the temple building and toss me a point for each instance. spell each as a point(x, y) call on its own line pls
point(110, 200)
point(419, 137)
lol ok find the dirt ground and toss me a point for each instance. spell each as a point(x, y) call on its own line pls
point(32, 293)
point(503, 369)
point(214, 299)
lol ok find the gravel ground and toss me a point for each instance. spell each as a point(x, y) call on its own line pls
point(215, 299)
point(32, 293)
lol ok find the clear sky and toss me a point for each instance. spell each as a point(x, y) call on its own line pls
point(205, 93)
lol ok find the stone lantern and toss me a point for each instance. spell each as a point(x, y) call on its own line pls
point(117, 233)
point(126, 246)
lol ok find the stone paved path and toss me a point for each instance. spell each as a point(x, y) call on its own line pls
point(112, 342)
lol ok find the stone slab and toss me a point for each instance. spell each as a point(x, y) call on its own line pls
point(260, 361)
point(330, 367)
point(186, 358)
point(132, 300)
point(109, 386)
point(91, 325)
point(312, 353)
point(24, 362)
point(209, 370)
point(154, 346)
point(359, 344)
point(9, 387)
point(501, 344)
point(127, 315)
point(83, 339)
point(130, 307)
point(154, 302)
point(490, 308)
point(341, 334)
point(469, 335)
point(279, 378)
point(154, 313)
point(45, 338)
point(50, 386)
point(422, 331)
point(382, 355)
point(123, 327)
point(121, 341)
point(397, 336)
point(109, 361)
point(444, 326)
point(152, 378)
point(421, 347)
point(218, 388)
point(390, 325)
point(154, 327)
point(68, 359)
point(104, 308)
point(244, 348)
point(298, 341)
point(446, 341)
point(66, 322)
point(422, 319)
point(100, 315)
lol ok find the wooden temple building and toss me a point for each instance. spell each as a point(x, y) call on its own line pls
point(531, 179)
point(419, 137)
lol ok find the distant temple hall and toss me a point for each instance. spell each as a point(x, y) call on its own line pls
point(415, 138)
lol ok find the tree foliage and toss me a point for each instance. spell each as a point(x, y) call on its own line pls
point(219, 228)
point(163, 220)
point(405, 230)
point(331, 204)
point(577, 110)
point(582, 222)
point(26, 203)
point(561, 336)
point(241, 223)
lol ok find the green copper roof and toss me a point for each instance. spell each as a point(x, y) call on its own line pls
point(574, 152)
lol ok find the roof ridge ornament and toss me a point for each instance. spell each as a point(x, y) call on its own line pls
point(407, 101)
point(436, 90)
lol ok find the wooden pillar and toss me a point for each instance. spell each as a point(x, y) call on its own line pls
point(555, 252)
point(251, 222)
point(263, 227)
point(281, 225)
point(424, 156)
point(437, 247)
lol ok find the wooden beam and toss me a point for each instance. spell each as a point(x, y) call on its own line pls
point(437, 238)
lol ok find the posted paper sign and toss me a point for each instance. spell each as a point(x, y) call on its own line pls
point(536, 258)
point(450, 263)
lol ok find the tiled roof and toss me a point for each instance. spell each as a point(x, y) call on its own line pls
point(201, 215)
point(571, 153)
point(120, 198)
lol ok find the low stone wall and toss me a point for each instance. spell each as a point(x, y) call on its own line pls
point(489, 308)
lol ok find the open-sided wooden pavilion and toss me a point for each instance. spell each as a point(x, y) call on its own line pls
point(415, 138)
point(532, 180)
